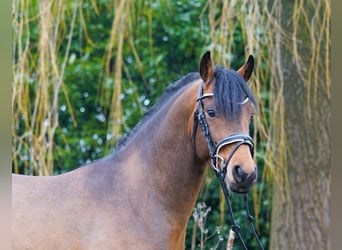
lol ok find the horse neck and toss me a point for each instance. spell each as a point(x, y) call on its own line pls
point(166, 156)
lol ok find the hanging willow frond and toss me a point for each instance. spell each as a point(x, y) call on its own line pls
point(40, 115)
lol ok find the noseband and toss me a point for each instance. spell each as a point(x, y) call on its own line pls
point(219, 164)
point(214, 148)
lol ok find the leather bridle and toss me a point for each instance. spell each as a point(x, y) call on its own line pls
point(214, 148)
point(220, 164)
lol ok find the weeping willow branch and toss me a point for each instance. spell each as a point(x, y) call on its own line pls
point(116, 40)
point(39, 116)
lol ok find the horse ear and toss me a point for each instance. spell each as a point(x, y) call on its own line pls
point(206, 67)
point(246, 70)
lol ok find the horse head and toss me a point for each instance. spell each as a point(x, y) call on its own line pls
point(225, 106)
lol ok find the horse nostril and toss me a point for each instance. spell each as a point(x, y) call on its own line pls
point(239, 174)
point(253, 176)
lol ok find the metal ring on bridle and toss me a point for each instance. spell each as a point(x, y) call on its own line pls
point(214, 148)
point(239, 139)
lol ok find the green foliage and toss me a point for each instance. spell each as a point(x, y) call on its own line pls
point(174, 25)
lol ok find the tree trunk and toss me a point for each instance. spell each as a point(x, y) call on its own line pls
point(301, 203)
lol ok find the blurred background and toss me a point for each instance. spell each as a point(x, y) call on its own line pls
point(85, 71)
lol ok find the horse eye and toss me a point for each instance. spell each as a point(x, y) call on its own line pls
point(211, 113)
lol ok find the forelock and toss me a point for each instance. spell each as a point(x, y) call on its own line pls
point(230, 90)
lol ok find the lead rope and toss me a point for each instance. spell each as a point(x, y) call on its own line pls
point(250, 220)
point(235, 227)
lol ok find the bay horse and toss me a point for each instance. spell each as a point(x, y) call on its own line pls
point(142, 195)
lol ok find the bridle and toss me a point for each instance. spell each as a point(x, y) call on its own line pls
point(214, 148)
point(219, 164)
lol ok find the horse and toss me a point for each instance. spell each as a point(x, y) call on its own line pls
point(142, 195)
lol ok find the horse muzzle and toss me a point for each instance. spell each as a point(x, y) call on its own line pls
point(242, 181)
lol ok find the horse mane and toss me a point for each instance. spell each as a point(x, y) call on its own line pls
point(171, 90)
point(229, 91)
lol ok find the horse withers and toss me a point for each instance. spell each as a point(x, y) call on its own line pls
point(142, 195)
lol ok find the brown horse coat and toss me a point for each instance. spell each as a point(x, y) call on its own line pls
point(140, 197)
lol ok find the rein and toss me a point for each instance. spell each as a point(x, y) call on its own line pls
point(214, 148)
